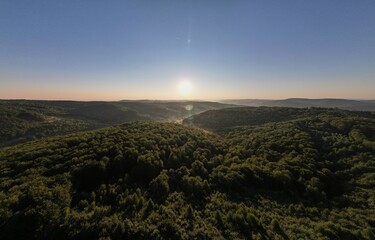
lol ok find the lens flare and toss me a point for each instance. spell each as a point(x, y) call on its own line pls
point(189, 107)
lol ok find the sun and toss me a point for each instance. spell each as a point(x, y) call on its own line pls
point(185, 88)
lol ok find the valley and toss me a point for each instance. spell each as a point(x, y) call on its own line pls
point(24, 120)
point(230, 173)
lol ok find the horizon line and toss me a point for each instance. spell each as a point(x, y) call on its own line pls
point(185, 100)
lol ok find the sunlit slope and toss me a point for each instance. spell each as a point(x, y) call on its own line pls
point(219, 120)
point(298, 179)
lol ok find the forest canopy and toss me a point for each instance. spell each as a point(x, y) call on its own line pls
point(308, 176)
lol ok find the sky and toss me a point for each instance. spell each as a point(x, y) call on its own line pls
point(113, 50)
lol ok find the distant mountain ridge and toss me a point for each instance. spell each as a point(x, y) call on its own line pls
point(347, 104)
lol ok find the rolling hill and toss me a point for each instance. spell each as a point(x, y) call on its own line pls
point(220, 120)
point(310, 176)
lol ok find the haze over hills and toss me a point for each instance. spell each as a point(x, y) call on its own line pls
point(171, 109)
point(22, 120)
point(347, 104)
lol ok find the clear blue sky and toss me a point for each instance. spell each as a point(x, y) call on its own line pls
point(111, 50)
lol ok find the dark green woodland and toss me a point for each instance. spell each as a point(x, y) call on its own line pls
point(236, 173)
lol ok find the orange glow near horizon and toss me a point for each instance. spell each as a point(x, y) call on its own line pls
point(64, 88)
point(184, 92)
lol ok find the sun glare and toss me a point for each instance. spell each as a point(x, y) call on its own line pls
point(185, 88)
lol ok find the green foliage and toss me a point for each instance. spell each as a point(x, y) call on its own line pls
point(220, 120)
point(311, 177)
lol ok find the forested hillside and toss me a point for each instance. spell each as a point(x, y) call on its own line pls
point(311, 177)
point(22, 120)
point(220, 120)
